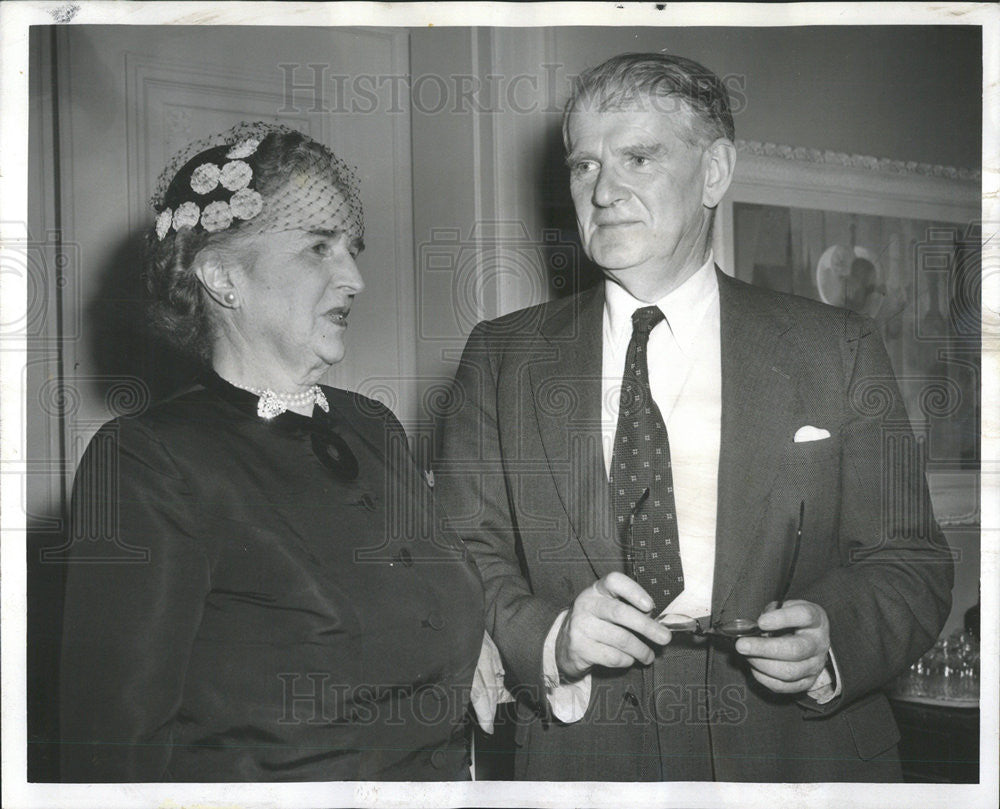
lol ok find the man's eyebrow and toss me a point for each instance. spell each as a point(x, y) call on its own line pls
point(654, 148)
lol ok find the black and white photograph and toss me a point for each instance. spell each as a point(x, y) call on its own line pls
point(449, 404)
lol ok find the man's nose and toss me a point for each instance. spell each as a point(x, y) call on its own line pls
point(608, 189)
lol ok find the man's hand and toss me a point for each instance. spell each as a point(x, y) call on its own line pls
point(598, 630)
point(789, 663)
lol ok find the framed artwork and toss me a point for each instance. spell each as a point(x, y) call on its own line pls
point(897, 242)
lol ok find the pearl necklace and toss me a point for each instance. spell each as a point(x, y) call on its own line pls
point(271, 404)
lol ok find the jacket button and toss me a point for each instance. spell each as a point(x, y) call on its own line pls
point(406, 557)
point(435, 620)
point(438, 759)
point(631, 699)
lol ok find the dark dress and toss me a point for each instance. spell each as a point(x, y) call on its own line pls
point(241, 608)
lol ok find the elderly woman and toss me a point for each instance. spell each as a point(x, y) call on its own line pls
point(288, 608)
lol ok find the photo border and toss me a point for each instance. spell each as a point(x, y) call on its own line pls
point(15, 19)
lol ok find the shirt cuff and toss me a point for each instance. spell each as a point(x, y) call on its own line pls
point(567, 700)
point(827, 685)
point(488, 689)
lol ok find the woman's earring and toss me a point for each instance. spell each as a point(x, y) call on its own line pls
point(229, 298)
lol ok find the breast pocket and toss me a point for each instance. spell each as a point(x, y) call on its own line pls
point(823, 450)
point(810, 474)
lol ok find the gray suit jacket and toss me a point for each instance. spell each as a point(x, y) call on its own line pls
point(524, 483)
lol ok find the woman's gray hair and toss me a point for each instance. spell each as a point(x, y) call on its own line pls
point(655, 81)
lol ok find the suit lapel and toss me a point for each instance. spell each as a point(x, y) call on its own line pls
point(757, 387)
point(565, 382)
point(757, 384)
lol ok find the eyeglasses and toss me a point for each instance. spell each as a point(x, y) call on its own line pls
point(735, 627)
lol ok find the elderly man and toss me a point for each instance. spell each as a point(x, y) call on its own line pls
point(671, 445)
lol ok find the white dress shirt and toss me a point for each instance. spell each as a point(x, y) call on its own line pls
point(685, 377)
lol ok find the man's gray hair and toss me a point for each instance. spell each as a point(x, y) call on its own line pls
point(655, 81)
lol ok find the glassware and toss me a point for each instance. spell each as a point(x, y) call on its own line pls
point(935, 667)
point(949, 671)
point(908, 683)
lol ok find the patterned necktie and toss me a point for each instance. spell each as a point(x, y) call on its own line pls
point(642, 487)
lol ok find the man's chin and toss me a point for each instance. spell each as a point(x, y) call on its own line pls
point(617, 252)
point(615, 260)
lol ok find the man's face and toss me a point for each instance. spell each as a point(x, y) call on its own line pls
point(638, 186)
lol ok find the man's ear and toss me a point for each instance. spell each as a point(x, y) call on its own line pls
point(720, 157)
point(215, 271)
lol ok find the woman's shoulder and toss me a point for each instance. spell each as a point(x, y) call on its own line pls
point(190, 410)
point(366, 415)
point(349, 401)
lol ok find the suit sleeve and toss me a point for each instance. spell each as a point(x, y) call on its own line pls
point(137, 580)
point(472, 488)
point(891, 594)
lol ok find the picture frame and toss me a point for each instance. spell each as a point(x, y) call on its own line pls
point(795, 220)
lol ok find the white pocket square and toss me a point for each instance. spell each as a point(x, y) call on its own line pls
point(810, 433)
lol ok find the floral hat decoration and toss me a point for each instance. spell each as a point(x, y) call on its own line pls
point(216, 182)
